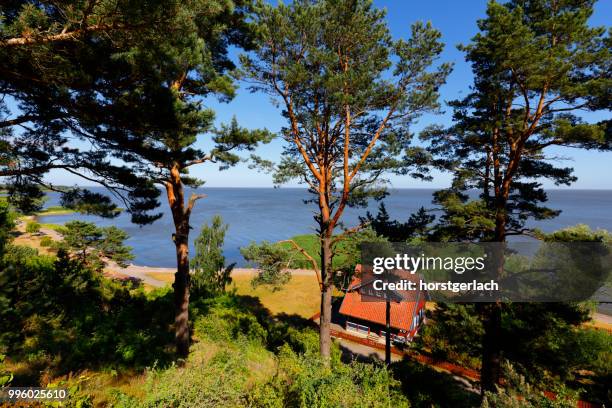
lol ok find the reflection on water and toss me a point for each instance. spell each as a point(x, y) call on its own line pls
point(257, 214)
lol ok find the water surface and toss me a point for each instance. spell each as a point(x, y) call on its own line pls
point(257, 214)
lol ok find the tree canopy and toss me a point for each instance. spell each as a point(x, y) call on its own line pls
point(537, 64)
point(127, 90)
point(349, 93)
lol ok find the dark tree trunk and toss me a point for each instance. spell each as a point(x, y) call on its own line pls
point(491, 353)
point(326, 298)
point(388, 333)
point(181, 294)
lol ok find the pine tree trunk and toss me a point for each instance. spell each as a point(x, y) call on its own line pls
point(181, 293)
point(326, 298)
point(181, 285)
point(491, 353)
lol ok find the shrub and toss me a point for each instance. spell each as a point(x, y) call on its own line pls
point(303, 380)
point(59, 314)
point(517, 393)
point(46, 241)
point(32, 227)
point(210, 272)
point(231, 365)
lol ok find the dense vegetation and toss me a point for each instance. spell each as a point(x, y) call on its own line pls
point(60, 315)
point(116, 92)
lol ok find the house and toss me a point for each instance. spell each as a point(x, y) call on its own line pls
point(365, 311)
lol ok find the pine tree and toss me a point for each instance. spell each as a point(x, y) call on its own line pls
point(133, 89)
point(54, 58)
point(417, 226)
point(349, 93)
point(535, 63)
point(93, 246)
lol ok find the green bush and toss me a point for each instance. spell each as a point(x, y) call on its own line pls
point(221, 382)
point(304, 381)
point(248, 368)
point(517, 393)
point(59, 315)
point(46, 241)
point(32, 227)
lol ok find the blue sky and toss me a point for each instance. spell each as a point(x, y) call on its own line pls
point(457, 22)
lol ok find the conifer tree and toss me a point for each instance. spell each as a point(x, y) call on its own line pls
point(536, 64)
point(210, 273)
point(349, 93)
point(129, 80)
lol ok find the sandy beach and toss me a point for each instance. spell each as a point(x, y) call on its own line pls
point(147, 273)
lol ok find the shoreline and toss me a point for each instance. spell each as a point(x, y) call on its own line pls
point(147, 273)
point(143, 272)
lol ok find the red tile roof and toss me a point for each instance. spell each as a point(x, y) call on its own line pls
point(375, 311)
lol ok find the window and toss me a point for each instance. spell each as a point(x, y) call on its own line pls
point(350, 326)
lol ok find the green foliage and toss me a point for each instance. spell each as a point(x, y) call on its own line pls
point(244, 358)
point(311, 243)
point(417, 226)
point(578, 233)
point(553, 346)
point(87, 202)
point(32, 227)
point(57, 314)
point(347, 254)
point(359, 68)
point(5, 376)
point(46, 241)
point(210, 274)
point(65, 64)
point(349, 93)
point(232, 137)
point(536, 65)
point(7, 222)
point(304, 381)
point(454, 333)
point(26, 196)
point(427, 387)
point(92, 245)
point(517, 393)
point(271, 261)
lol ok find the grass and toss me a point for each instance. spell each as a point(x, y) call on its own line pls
point(54, 227)
point(161, 276)
point(300, 296)
point(55, 210)
point(33, 242)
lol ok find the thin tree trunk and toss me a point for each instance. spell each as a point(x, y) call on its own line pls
point(388, 333)
point(491, 354)
point(181, 293)
point(326, 298)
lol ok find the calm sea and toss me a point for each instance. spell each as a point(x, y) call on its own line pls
point(257, 214)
